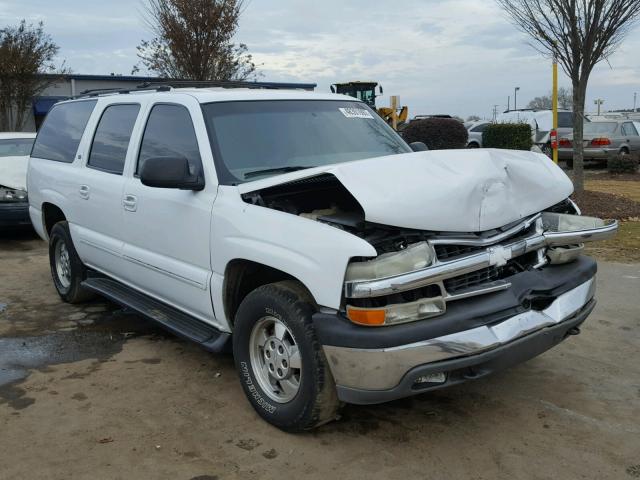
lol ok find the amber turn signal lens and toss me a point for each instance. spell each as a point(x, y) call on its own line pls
point(363, 316)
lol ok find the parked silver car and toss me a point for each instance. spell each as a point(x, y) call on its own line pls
point(475, 130)
point(602, 140)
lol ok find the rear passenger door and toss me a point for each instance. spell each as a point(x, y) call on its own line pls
point(167, 230)
point(100, 187)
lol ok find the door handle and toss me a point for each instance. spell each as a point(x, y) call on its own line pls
point(130, 203)
point(84, 192)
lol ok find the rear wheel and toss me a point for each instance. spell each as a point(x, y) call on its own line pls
point(624, 151)
point(282, 367)
point(473, 145)
point(67, 270)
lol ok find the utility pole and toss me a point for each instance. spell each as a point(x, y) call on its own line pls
point(634, 102)
point(598, 102)
point(554, 97)
point(508, 103)
point(515, 98)
point(495, 112)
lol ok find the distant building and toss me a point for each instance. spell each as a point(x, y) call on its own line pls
point(74, 85)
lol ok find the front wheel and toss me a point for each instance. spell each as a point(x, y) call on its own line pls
point(282, 367)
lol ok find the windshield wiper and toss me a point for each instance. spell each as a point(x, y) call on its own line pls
point(285, 169)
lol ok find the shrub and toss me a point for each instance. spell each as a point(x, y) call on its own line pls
point(623, 164)
point(514, 136)
point(437, 133)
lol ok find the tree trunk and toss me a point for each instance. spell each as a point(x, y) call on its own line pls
point(579, 94)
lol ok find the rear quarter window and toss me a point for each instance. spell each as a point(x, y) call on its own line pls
point(60, 135)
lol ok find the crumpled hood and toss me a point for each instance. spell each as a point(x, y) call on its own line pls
point(13, 172)
point(445, 190)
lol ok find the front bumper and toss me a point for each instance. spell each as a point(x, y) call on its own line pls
point(14, 214)
point(485, 334)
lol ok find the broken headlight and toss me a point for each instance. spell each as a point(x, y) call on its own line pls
point(415, 257)
point(12, 195)
point(562, 222)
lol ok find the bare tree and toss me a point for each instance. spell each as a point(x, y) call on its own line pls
point(193, 40)
point(580, 33)
point(545, 102)
point(473, 118)
point(26, 52)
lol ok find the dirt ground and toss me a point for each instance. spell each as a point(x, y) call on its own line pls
point(94, 392)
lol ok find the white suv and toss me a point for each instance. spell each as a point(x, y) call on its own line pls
point(300, 229)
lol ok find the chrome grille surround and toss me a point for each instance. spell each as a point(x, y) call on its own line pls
point(497, 251)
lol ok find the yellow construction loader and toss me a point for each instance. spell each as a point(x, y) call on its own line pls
point(394, 115)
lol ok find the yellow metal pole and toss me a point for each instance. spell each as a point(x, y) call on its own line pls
point(395, 101)
point(555, 106)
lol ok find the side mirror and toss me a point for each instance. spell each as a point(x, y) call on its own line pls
point(333, 90)
point(170, 172)
point(381, 91)
point(418, 147)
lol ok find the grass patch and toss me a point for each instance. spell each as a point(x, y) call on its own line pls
point(624, 247)
point(626, 188)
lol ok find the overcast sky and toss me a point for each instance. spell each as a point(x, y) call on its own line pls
point(441, 56)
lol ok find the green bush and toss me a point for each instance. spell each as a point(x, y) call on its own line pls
point(623, 164)
point(437, 133)
point(513, 136)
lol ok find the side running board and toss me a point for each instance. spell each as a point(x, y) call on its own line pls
point(168, 317)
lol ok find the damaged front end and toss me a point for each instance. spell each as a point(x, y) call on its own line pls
point(417, 273)
point(463, 266)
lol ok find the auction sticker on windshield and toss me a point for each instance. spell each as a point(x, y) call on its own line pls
point(355, 113)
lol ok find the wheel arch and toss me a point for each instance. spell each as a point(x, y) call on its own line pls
point(51, 214)
point(242, 276)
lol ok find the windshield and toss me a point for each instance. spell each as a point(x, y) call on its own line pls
point(256, 139)
point(16, 147)
point(599, 127)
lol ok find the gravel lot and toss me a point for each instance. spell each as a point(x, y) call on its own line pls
point(94, 392)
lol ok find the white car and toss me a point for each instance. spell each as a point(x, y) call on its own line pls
point(475, 130)
point(541, 123)
point(15, 148)
point(301, 230)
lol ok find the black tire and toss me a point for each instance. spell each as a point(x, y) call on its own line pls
point(624, 151)
point(316, 401)
point(473, 145)
point(70, 290)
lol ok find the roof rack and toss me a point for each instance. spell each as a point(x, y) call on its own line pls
point(94, 92)
point(166, 85)
point(228, 84)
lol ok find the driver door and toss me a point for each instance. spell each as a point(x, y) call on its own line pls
point(167, 244)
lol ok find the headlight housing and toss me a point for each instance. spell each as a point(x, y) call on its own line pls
point(415, 257)
point(563, 222)
point(12, 195)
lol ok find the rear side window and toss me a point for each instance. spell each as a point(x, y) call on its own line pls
point(629, 129)
point(169, 133)
point(111, 140)
point(480, 128)
point(62, 130)
point(565, 119)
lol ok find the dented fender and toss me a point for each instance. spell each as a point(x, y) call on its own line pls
point(314, 253)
